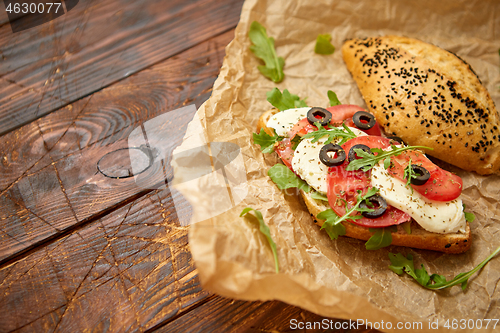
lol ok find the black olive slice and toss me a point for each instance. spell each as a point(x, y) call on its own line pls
point(397, 139)
point(422, 175)
point(324, 114)
point(378, 204)
point(363, 120)
point(352, 154)
point(330, 161)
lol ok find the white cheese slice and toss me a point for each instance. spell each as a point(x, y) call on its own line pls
point(307, 165)
point(434, 216)
point(283, 121)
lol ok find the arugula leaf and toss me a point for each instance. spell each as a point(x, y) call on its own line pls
point(368, 161)
point(382, 237)
point(407, 227)
point(264, 229)
point(265, 141)
point(284, 101)
point(333, 98)
point(284, 178)
point(332, 223)
point(409, 175)
point(400, 264)
point(469, 217)
point(263, 48)
point(318, 196)
point(295, 141)
point(346, 134)
point(323, 45)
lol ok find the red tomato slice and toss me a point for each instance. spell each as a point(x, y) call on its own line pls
point(441, 186)
point(343, 185)
point(344, 112)
point(340, 113)
point(284, 148)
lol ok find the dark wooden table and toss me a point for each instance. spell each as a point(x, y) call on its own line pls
point(80, 251)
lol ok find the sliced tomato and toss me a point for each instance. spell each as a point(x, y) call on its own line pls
point(441, 186)
point(284, 148)
point(344, 112)
point(343, 186)
point(340, 113)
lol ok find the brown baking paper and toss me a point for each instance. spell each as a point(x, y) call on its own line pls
point(339, 279)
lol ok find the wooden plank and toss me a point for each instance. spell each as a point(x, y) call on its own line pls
point(127, 271)
point(96, 44)
point(225, 315)
point(67, 145)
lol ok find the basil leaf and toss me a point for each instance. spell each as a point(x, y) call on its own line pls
point(382, 237)
point(265, 141)
point(318, 196)
point(323, 45)
point(333, 98)
point(400, 264)
point(332, 224)
point(263, 48)
point(284, 101)
point(284, 178)
point(264, 229)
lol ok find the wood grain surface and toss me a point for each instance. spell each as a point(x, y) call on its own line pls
point(96, 44)
point(60, 151)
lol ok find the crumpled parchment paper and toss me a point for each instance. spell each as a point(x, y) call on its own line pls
point(339, 279)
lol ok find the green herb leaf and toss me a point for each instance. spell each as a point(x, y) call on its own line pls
point(295, 141)
point(323, 45)
point(265, 141)
point(284, 178)
point(333, 98)
point(284, 101)
point(346, 134)
point(382, 237)
point(318, 196)
point(368, 161)
point(469, 217)
point(264, 229)
point(332, 223)
point(406, 227)
point(409, 174)
point(387, 163)
point(263, 48)
point(400, 264)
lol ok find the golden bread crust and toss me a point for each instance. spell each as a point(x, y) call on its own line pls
point(427, 96)
point(419, 238)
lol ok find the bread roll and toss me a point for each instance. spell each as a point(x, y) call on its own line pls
point(427, 96)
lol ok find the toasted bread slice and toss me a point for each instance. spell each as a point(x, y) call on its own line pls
point(427, 96)
point(419, 238)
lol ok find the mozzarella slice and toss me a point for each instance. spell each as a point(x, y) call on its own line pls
point(307, 165)
point(434, 216)
point(283, 121)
